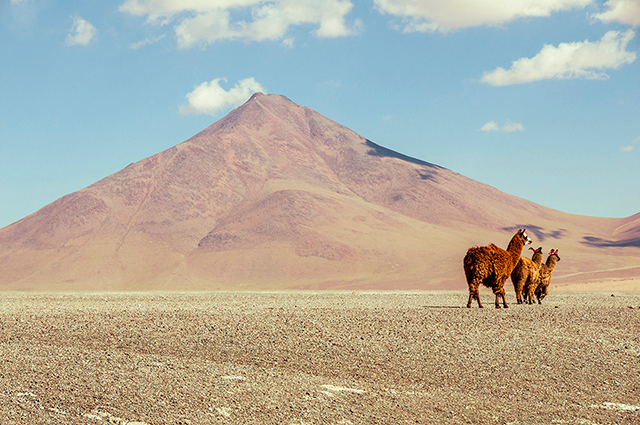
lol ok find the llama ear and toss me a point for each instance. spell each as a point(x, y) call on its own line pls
point(551, 252)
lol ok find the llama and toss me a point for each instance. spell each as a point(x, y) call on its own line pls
point(526, 273)
point(545, 276)
point(491, 266)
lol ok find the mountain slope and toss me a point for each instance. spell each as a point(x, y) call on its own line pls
point(275, 195)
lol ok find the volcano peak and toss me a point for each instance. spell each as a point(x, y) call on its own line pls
point(275, 195)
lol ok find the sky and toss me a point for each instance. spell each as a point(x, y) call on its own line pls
point(538, 98)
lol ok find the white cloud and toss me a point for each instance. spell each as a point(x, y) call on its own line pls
point(201, 22)
point(508, 127)
point(490, 126)
point(582, 59)
point(210, 98)
point(630, 147)
point(288, 42)
point(142, 43)
point(622, 11)
point(443, 16)
point(82, 32)
point(16, 1)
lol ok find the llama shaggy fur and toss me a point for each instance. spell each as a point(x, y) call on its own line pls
point(491, 267)
point(526, 273)
point(545, 275)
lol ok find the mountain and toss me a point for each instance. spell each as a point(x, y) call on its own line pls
point(277, 196)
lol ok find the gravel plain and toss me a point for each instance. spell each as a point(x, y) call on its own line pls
point(318, 358)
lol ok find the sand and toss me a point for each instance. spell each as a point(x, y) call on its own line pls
point(318, 358)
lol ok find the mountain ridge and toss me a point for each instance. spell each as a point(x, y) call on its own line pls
point(244, 204)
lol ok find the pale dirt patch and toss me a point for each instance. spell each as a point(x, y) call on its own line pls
point(619, 406)
point(224, 411)
point(337, 389)
point(274, 358)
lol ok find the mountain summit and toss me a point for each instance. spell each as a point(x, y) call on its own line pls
point(277, 196)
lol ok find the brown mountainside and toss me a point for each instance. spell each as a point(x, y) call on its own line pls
point(277, 196)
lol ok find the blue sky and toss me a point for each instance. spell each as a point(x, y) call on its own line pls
point(538, 98)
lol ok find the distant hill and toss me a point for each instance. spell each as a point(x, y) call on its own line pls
point(277, 196)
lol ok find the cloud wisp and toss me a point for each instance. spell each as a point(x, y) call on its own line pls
point(142, 43)
point(622, 11)
point(205, 22)
point(578, 60)
point(629, 148)
point(82, 32)
point(210, 98)
point(508, 127)
point(443, 16)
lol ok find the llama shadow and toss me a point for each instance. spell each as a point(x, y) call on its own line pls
point(443, 306)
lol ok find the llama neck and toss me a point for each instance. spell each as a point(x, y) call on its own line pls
point(515, 248)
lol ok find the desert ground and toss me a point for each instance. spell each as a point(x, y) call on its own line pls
point(318, 358)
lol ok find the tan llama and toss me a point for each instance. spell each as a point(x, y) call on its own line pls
point(526, 273)
point(545, 275)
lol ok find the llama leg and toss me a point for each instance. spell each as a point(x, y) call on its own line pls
point(526, 285)
point(541, 296)
point(500, 294)
point(474, 293)
point(472, 296)
point(519, 296)
point(504, 301)
point(497, 294)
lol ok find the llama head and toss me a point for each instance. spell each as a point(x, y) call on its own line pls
point(518, 242)
point(553, 258)
point(523, 234)
point(537, 255)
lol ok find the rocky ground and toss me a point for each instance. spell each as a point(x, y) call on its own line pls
point(318, 358)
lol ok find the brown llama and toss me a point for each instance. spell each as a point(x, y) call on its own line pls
point(545, 275)
point(491, 267)
point(526, 273)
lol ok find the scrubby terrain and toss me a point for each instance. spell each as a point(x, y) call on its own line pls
point(317, 358)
